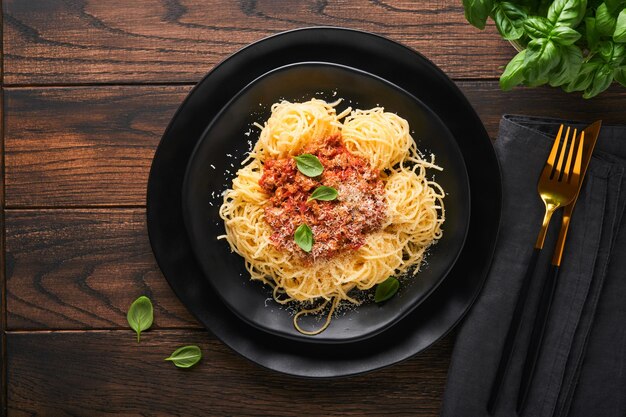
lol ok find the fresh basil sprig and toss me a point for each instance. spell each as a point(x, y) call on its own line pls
point(186, 356)
point(323, 193)
point(304, 237)
point(309, 165)
point(556, 52)
point(140, 315)
point(386, 289)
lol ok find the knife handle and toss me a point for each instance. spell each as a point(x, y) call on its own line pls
point(511, 335)
point(536, 338)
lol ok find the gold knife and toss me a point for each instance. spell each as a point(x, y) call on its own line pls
point(591, 137)
point(591, 133)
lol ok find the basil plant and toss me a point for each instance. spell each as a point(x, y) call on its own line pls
point(578, 45)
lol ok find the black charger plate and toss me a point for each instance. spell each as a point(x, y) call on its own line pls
point(437, 315)
point(225, 143)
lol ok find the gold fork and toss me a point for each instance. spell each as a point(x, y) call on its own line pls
point(557, 187)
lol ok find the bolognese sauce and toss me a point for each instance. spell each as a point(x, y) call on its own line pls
point(338, 225)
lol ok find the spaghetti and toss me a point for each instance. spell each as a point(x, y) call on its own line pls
point(373, 162)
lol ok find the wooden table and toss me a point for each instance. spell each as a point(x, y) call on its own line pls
point(87, 89)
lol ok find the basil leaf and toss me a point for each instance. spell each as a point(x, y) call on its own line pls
point(509, 20)
point(605, 51)
point(602, 79)
point(140, 315)
point(620, 75)
point(620, 28)
point(593, 36)
point(537, 27)
point(567, 12)
point(564, 35)
point(186, 356)
point(615, 5)
point(514, 72)
point(309, 165)
point(619, 54)
point(304, 237)
point(477, 11)
point(584, 78)
point(386, 289)
point(605, 22)
point(569, 66)
point(541, 57)
point(323, 193)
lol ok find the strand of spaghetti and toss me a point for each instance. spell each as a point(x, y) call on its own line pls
point(313, 311)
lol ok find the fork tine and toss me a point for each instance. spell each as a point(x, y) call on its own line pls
point(579, 159)
point(559, 166)
point(568, 164)
point(555, 147)
point(547, 170)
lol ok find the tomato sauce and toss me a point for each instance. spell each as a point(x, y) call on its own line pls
point(337, 225)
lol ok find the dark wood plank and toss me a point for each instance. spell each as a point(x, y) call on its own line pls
point(92, 146)
point(3, 304)
point(166, 41)
point(491, 103)
point(106, 372)
point(81, 269)
point(96, 140)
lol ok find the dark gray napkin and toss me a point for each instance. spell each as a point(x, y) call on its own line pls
point(582, 367)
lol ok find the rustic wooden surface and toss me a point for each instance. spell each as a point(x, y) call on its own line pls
point(87, 90)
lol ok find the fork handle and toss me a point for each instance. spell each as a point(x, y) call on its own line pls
point(536, 338)
point(514, 326)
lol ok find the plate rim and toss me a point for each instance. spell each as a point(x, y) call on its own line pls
point(304, 364)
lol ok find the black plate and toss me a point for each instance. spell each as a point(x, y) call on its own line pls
point(438, 314)
point(225, 143)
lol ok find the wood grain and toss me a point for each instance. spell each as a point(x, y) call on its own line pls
point(116, 41)
point(3, 304)
point(92, 146)
point(106, 372)
point(81, 269)
point(99, 141)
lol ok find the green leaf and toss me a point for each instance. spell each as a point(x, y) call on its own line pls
point(584, 78)
point(564, 35)
point(620, 75)
point(140, 315)
point(514, 72)
point(309, 165)
point(304, 237)
point(477, 11)
point(386, 289)
point(619, 54)
point(615, 5)
point(568, 67)
point(605, 22)
point(602, 79)
point(620, 28)
point(605, 50)
point(323, 193)
point(537, 27)
point(593, 36)
point(186, 356)
point(541, 57)
point(509, 20)
point(567, 12)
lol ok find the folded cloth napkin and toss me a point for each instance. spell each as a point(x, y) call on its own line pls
point(581, 371)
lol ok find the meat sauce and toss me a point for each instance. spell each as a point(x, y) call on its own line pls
point(337, 225)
